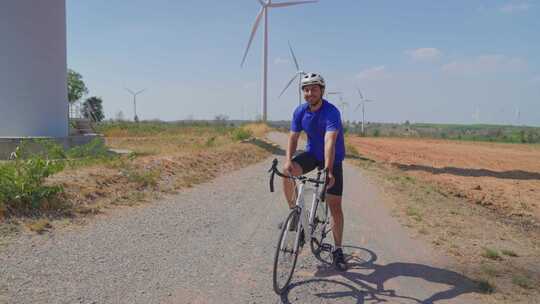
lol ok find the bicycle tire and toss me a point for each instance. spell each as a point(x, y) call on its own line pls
point(320, 222)
point(293, 251)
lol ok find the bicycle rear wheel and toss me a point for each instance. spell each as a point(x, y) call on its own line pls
point(321, 223)
point(286, 254)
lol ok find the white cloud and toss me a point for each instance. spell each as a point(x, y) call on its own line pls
point(280, 60)
point(483, 64)
point(374, 73)
point(424, 54)
point(514, 7)
point(535, 80)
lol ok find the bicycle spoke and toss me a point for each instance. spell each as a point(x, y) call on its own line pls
point(286, 255)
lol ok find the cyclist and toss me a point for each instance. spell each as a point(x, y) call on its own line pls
point(325, 148)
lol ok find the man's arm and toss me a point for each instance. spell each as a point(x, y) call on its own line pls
point(292, 145)
point(330, 139)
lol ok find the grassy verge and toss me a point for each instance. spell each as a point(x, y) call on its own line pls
point(60, 187)
point(502, 254)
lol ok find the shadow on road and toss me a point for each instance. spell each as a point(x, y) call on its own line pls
point(513, 174)
point(365, 280)
point(267, 145)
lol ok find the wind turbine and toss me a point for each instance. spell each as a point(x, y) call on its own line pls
point(299, 72)
point(363, 104)
point(135, 117)
point(342, 104)
point(266, 5)
point(476, 115)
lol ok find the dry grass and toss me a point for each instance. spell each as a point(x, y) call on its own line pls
point(165, 158)
point(258, 129)
point(39, 226)
point(474, 235)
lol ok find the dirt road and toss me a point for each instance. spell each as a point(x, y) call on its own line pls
point(215, 244)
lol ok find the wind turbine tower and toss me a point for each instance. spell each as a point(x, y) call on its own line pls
point(33, 69)
point(263, 13)
point(363, 104)
point(135, 117)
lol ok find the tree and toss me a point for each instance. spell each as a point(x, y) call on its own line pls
point(221, 118)
point(93, 109)
point(120, 116)
point(76, 87)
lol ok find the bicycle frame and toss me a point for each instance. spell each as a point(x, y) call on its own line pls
point(305, 220)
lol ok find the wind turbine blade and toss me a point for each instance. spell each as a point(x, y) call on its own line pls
point(294, 57)
point(130, 91)
point(288, 85)
point(360, 93)
point(358, 106)
point(290, 3)
point(253, 32)
point(262, 3)
point(140, 91)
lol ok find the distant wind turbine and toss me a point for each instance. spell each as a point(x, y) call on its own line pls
point(135, 117)
point(299, 73)
point(476, 115)
point(363, 104)
point(266, 5)
point(342, 104)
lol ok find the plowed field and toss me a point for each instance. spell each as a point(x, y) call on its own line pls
point(505, 177)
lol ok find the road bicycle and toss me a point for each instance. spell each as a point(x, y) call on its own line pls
point(300, 225)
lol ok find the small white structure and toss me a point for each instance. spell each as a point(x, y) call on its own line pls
point(33, 69)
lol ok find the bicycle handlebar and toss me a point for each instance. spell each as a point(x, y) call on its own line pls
point(274, 170)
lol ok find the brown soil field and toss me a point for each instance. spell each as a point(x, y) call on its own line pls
point(502, 177)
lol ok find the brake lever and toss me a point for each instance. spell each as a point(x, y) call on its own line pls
point(273, 170)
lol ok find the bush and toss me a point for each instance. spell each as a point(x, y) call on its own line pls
point(351, 150)
point(22, 182)
point(94, 149)
point(239, 134)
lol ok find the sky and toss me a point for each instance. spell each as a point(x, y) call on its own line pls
point(462, 61)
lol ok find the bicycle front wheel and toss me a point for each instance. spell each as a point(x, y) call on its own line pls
point(286, 253)
point(321, 222)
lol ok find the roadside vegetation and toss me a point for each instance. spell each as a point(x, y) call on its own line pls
point(479, 132)
point(499, 251)
point(39, 191)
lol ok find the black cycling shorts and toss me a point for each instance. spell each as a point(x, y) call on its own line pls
point(308, 162)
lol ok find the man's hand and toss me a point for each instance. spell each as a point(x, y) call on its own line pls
point(331, 180)
point(288, 167)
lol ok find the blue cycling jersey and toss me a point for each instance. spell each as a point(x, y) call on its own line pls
point(315, 124)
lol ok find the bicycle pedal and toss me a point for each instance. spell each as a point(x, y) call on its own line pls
point(326, 247)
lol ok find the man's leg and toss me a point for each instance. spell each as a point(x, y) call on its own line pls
point(333, 199)
point(334, 202)
point(288, 184)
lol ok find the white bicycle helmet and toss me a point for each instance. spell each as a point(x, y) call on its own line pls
point(313, 78)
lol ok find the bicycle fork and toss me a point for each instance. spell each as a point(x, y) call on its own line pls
point(304, 222)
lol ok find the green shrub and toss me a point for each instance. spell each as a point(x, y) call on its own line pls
point(491, 254)
point(22, 181)
point(239, 134)
point(94, 149)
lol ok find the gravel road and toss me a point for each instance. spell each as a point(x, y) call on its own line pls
point(215, 243)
